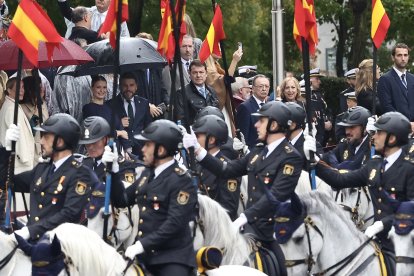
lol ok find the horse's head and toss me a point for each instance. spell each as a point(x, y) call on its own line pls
point(357, 203)
point(301, 240)
point(402, 235)
point(47, 257)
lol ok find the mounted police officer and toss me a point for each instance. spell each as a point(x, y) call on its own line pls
point(273, 168)
point(59, 190)
point(352, 152)
point(212, 132)
point(389, 176)
point(166, 198)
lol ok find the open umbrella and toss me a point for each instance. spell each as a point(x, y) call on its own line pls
point(65, 53)
point(135, 53)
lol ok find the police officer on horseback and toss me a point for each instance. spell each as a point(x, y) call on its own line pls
point(166, 199)
point(59, 189)
point(273, 168)
point(389, 176)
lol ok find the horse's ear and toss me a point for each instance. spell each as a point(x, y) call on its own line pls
point(24, 245)
point(296, 204)
point(56, 248)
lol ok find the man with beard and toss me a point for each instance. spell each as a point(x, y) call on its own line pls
point(59, 189)
point(352, 151)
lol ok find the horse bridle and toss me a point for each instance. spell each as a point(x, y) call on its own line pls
point(355, 210)
point(309, 261)
point(8, 257)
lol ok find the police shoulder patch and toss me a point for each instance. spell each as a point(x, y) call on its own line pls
point(288, 169)
point(129, 177)
point(183, 198)
point(80, 188)
point(232, 185)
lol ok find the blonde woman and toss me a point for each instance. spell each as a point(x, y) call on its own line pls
point(364, 86)
point(290, 91)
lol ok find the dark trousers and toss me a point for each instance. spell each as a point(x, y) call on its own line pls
point(170, 269)
point(275, 248)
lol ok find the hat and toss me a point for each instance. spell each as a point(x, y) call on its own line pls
point(289, 216)
point(404, 218)
point(208, 258)
point(351, 73)
point(302, 86)
point(247, 69)
point(350, 95)
point(314, 73)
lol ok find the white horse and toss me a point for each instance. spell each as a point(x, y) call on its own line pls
point(358, 204)
point(123, 233)
point(325, 238)
point(304, 185)
point(404, 252)
point(12, 260)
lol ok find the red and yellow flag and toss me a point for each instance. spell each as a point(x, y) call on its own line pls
point(166, 44)
point(109, 24)
point(29, 26)
point(380, 23)
point(214, 35)
point(304, 24)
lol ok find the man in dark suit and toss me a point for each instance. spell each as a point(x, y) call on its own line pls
point(186, 53)
point(396, 87)
point(132, 111)
point(244, 121)
point(197, 93)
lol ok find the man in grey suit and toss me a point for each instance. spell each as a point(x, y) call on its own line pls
point(396, 87)
point(186, 52)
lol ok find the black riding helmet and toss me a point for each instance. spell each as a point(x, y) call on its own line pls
point(162, 132)
point(354, 116)
point(276, 111)
point(64, 126)
point(209, 110)
point(214, 126)
point(298, 114)
point(394, 123)
point(94, 128)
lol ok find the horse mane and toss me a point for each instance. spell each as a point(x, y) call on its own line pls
point(87, 252)
point(218, 232)
point(319, 203)
point(7, 239)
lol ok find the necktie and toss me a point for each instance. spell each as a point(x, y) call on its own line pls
point(404, 80)
point(384, 163)
point(203, 92)
point(261, 104)
point(187, 65)
point(51, 171)
point(130, 113)
point(264, 152)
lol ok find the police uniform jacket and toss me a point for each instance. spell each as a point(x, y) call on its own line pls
point(343, 156)
point(394, 183)
point(224, 191)
point(279, 172)
point(166, 206)
point(55, 198)
point(319, 114)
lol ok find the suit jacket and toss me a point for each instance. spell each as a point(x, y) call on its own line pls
point(152, 87)
point(55, 198)
point(277, 174)
point(141, 119)
point(394, 96)
point(245, 122)
point(186, 77)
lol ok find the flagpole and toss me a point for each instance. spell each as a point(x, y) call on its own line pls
point(374, 77)
point(108, 182)
point(306, 70)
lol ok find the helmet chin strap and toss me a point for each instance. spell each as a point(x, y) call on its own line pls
point(387, 144)
point(156, 156)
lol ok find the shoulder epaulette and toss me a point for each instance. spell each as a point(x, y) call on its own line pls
point(179, 171)
point(376, 157)
point(288, 149)
point(409, 159)
point(76, 164)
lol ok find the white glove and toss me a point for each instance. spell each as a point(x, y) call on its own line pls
point(314, 130)
point(12, 134)
point(183, 130)
point(190, 140)
point(309, 145)
point(370, 125)
point(109, 156)
point(239, 222)
point(134, 250)
point(237, 144)
point(24, 233)
point(43, 160)
point(374, 229)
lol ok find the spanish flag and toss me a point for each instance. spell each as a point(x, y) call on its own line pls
point(304, 24)
point(29, 26)
point(166, 44)
point(109, 24)
point(214, 35)
point(380, 23)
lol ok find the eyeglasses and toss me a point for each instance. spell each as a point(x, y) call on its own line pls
point(262, 86)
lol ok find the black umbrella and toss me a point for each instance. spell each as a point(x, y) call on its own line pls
point(135, 53)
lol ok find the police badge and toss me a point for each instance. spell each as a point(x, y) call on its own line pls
point(183, 198)
point(232, 185)
point(80, 188)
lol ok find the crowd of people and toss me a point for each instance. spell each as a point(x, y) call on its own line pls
point(239, 127)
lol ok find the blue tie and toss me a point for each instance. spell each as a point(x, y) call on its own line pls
point(203, 92)
point(404, 81)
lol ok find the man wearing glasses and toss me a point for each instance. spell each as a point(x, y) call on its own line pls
point(244, 121)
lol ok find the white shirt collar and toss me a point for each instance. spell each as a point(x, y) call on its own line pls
point(272, 146)
point(392, 158)
point(60, 162)
point(399, 73)
point(162, 167)
point(215, 153)
point(359, 146)
point(258, 101)
point(296, 138)
point(185, 61)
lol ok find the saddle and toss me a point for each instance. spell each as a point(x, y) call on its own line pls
point(265, 260)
